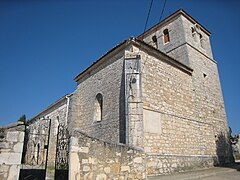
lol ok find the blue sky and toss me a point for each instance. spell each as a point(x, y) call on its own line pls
point(45, 44)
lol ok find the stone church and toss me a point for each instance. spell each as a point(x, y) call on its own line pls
point(151, 105)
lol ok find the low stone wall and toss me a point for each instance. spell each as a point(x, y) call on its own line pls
point(236, 150)
point(167, 164)
point(91, 158)
point(11, 147)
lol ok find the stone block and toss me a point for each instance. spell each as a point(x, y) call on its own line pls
point(4, 145)
point(118, 154)
point(21, 136)
point(12, 136)
point(140, 175)
point(10, 158)
point(125, 168)
point(107, 170)
point(85, 161)
point(18, 147)
point(130, 151)
point(92, 160)
point(74, 141)
point(74, 165)
point(73, 149)
point(152, 122)
point(88, 176)
point(138, 160)
point(115, 168)
point(86, 168)
point(4, 167)
point(14, 172)
point(83, 149)
point(101, 177)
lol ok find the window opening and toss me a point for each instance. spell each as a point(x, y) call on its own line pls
point(166, 36)
point(193, 32)
point(202, 41)
point(154, 39)
point(98, 107)
point(38, 153)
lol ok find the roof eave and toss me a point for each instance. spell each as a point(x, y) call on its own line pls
point(166, 58)
point(52, 105)
point(118, 48)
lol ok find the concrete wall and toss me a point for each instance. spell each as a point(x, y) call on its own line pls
point(11, 147)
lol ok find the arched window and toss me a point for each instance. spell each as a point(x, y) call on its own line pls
point(98, 107)
point(154, 39)
point(166, 36)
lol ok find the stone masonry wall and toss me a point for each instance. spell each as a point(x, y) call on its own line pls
point(208, 100)
point(94, 159)
point(11, 147)
point(160, 164)
point(194, 40)
point(91, 158)
point(193, 101)
point(57, 114)
point(170, 126)
point(207, 93)
point(108, 79)
point(177, 39)
point(236, 147)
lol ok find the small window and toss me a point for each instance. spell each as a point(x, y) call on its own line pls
point(193, 30)
point(154, 39)
point(166, 36)
point(202, 41)
point(98, 107)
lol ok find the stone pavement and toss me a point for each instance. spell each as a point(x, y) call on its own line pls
point(216, 173)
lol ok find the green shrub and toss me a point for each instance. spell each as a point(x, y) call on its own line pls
point(22, 119)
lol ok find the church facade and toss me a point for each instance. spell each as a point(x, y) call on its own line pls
point(158, 94)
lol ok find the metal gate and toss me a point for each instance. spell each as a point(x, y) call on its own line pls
point(61, 166)
point(35, 152)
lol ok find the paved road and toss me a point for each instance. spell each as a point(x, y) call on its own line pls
point(234, 175)
point(216, 173)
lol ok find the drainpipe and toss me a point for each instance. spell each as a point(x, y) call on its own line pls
point(68, 102)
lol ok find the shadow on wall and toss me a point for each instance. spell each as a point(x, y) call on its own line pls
point(26, 139)
point(223, 151)
point(122, 113)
